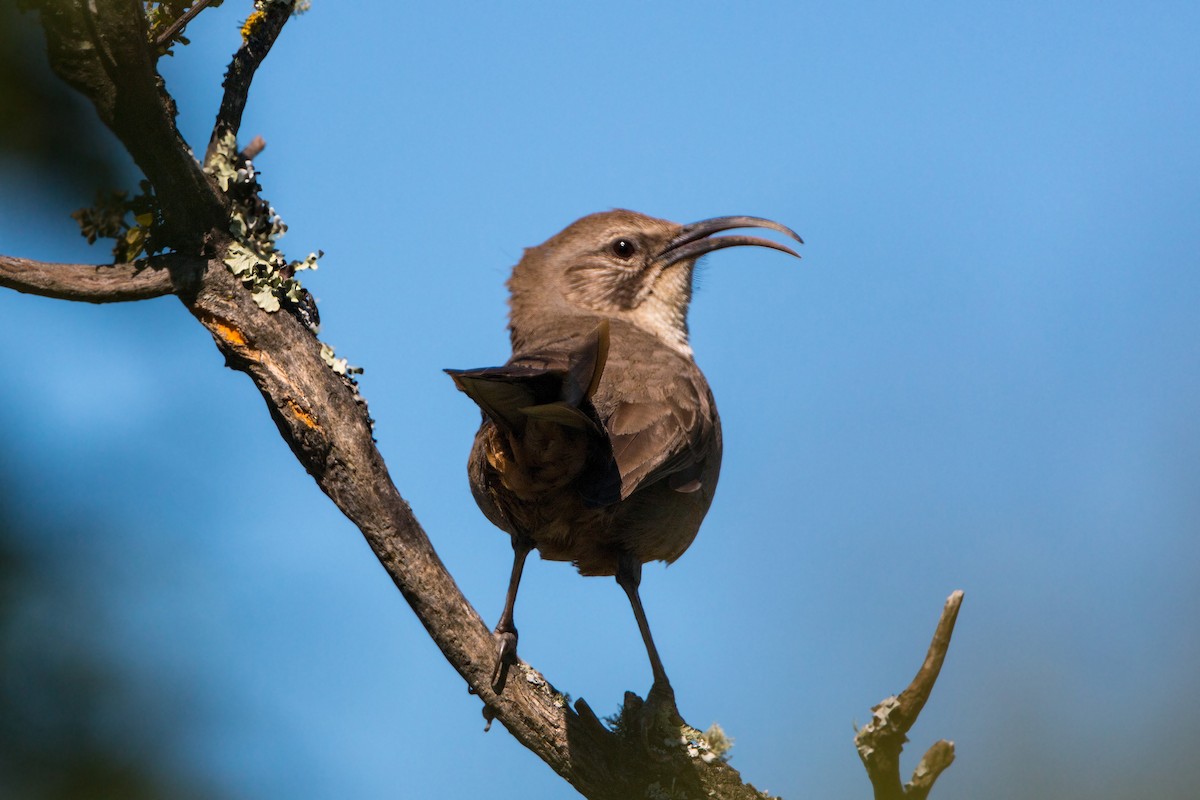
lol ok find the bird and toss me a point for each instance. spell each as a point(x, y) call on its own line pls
point(600, 442)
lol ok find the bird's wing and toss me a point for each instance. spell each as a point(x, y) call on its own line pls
point(650, 406)
point(660, 418)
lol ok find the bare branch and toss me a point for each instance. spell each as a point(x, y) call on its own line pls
point(179, 24)
point(939, 756)
point(98, 283)
point(880, 741)
point(251, 151)
point(912, 699)
point(257, 38)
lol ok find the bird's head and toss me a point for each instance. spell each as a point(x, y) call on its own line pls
point(622, 265)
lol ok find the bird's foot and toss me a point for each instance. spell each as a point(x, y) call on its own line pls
point(655, 721)
point(506, 656)
point(661, 692)
point(659, 710)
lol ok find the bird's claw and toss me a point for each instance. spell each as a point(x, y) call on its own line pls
point(658, 719)
point(660, 709)
point(506, 656)
point(655, 721)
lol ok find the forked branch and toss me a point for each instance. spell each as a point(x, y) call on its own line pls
point(880, 741)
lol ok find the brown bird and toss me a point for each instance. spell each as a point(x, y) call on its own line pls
point(600, 443)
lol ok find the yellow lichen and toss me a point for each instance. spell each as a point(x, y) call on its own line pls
point(251, 23)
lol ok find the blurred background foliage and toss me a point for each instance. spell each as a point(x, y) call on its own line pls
point(75, 724)
point(49, 127)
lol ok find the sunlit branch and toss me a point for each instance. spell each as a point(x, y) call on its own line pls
point(880, 741)
point(97, 283)
point(258, 36)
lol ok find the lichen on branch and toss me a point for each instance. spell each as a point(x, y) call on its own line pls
point(255, 227)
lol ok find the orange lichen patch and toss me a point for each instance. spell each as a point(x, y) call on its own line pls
point(251, 23)
point(302, 415)
point(230, 335)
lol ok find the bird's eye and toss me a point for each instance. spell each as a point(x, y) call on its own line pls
point(623, 248)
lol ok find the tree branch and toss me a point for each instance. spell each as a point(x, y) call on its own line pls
point(257, 38)
point(107, 283)
point(880, 741)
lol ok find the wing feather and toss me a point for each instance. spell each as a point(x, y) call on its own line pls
point(659, 414)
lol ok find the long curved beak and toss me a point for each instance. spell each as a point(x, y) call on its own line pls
point(697, 239)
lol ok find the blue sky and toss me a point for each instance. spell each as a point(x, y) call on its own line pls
point(984, 374)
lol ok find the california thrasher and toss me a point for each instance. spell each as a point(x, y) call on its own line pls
point(600, 443)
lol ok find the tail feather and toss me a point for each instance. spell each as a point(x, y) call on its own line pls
point(501, 392)
point(564, 414)
point(513, 394)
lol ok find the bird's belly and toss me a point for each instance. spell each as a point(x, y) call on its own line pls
point(656, 523)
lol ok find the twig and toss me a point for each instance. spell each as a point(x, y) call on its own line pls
point(178, 24)
point(880, 741)
point(251, 151)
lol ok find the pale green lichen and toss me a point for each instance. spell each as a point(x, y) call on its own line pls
point(719, 742)
point(338, 365)
point(709, 746)
point(535, 679)
point(880, 720)
point(256, 227)
point(532, 676)
point(255, 258)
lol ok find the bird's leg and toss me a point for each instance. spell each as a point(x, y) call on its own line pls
point(659, 713)
point(629, 576)
point(506, 630)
